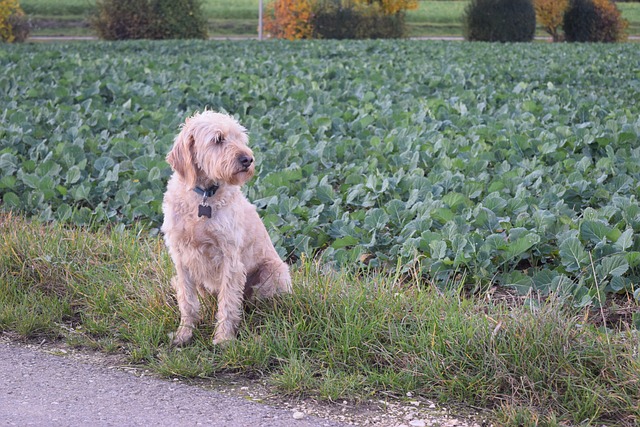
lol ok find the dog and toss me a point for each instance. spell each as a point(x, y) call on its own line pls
point(215, 237)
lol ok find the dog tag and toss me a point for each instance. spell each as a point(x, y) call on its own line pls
point(204, 210)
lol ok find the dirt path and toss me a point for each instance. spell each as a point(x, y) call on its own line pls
point(52, 384)
point(40, 389)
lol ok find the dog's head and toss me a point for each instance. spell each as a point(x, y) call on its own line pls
point(212, 148)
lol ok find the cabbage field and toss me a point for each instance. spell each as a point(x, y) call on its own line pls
point(511, 164)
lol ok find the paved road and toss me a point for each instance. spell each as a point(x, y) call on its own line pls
point(40, 389)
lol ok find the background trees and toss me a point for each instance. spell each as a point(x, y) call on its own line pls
point(338, 19)
point(581, 20)
point(483, 20)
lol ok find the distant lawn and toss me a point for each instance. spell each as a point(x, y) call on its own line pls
point(55, 9)
point(631, 12)
point(216, 9)
point(240, 17)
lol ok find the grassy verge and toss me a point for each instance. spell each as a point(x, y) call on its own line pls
point(240, 17)
point(338, 336)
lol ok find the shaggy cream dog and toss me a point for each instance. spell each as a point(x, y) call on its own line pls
point(214, 235)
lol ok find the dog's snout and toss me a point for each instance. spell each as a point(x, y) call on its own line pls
point(245, 161)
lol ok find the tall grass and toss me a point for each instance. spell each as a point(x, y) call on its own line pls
point(102, 285)
point(339, 335)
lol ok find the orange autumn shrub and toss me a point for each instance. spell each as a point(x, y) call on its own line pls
point(289, 19)
point(610, 27)
point(550, 14)
point(299, 19)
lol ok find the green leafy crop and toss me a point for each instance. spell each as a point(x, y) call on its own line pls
point(500, 163)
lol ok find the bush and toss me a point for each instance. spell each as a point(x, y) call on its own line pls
point(150, 19)
point(289, 19)
point(593, 21)
point(122, 19)
point(14, 25)
point(500, 20)
point(332, 20)
point(550, 14)
point(337, 19)
point(20, 26)
point(179, 19)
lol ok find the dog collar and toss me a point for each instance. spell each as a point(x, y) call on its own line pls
point(203, 208)
point(209, 192)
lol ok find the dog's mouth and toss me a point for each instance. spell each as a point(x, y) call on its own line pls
point(245, 168)
point(245, 172)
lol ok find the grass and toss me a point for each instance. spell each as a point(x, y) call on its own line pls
point(631, 12)
point(240, 17)
point(339, 335)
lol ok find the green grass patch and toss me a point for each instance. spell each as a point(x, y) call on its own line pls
point(53, 8)
point(437, 12)
point(55, 280)
point(339, 335)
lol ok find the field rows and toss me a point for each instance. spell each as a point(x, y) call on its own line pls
point(508, 164)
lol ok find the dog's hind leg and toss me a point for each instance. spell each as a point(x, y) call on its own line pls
point(270, 279)
point(189, 306)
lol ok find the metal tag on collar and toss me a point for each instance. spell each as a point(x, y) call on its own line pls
point(203, 208)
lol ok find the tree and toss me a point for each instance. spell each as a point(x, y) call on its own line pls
point(149, 19)
point(550, 14)
point(610, 27)
point(499, 21)
point(289, 19)
point(593, 21)
point(13, 24)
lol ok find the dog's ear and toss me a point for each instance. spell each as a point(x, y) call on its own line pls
point(217, 137)
point(181, 159)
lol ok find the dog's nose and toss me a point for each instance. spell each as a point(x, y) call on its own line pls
point(246, 161)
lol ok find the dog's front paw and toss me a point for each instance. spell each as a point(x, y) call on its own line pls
point(181, 337)
point(222, 341)
point(224, 334)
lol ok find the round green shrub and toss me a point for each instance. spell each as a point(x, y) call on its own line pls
point(179, 19)
point(335, 19)
point(149, 19)
point(579, 21)
point(499, 20)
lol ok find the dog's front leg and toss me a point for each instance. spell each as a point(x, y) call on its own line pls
point(230, 298)
point(189, 306)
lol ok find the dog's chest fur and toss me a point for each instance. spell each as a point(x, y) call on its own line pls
point(204, 244)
